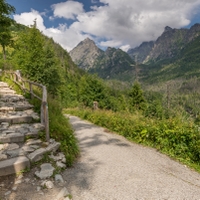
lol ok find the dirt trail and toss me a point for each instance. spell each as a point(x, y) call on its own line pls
point(110, 167)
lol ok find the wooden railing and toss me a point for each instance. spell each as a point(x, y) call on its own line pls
point(27, 86)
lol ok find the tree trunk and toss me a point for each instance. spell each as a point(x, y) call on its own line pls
point(4, 52)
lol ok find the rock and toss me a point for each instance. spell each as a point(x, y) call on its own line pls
point(18, 182)
point(28, 149)
point(46, 171)
point(3, 156)
point(14, 188)
point(1, 147)
point(47, 184)
point(63, 193)
point(60, 156)
point(37, 155)
point(53, 147)
point(64, 160)
point(60, 164)
point(38, 188)
point(33, 142)
point(15, 153)
point(52, 140)
point(20, 177)
point(34, 146)
point(12, 146)
point(59, 178)
point(27, 180)
point(7, 193)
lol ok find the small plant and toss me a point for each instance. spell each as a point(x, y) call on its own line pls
point(23, 171)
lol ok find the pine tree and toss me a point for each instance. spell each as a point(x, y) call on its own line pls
point(136, 96)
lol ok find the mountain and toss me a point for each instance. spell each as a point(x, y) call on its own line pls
point(167, 46)
point(140, 53)
point(108, 64)
point(85, 54)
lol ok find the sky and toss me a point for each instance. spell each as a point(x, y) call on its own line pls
point(115, 23)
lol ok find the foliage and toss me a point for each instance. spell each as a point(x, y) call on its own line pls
point(5, 23)
point(137, 100)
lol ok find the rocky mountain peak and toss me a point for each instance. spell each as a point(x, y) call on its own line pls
point(87, 51)
point(167, 28)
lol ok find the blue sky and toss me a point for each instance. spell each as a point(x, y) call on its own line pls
point(115, 23)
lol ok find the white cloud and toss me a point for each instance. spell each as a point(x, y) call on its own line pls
point(94, 1)
point(134, 21)
point(29, 17)
point(68, 9)
point(67, 38)
point(125, 47)
point(118, 23)
point(110, 43)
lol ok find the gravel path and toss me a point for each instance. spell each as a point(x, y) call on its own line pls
point(112, 168)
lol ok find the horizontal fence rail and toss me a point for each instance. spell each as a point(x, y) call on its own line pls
point(27, 86)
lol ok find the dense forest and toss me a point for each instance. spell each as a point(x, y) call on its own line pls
point(159, 108)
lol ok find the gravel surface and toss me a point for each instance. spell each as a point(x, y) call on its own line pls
point(110, 167)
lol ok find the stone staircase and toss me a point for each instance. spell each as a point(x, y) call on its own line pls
point(19, 133)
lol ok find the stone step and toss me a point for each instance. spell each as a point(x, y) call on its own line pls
point(5, 91)
point(12, 137)
point(21, 107)
point(16, 117)
point(12, 98)
point(14, 165)
point(19, 132)
point(3, 84)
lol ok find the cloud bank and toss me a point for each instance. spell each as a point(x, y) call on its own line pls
point(116, 23)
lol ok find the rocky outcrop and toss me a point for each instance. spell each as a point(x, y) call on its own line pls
point(85, 54)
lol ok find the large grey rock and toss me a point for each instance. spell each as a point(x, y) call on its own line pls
point(11, 146)
point(37, 155)
point(15, 153)
point(59, 178)
point(53, 147)
point(13, 165)
point(3, 157)
point(46, 171)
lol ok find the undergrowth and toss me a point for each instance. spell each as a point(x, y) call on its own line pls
point(180, 139)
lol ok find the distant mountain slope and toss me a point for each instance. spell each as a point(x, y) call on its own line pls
point(108, 64)
point(185, 66)
point(167, 46)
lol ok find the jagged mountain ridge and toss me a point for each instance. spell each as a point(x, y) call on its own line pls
point(107, 64)
point(117, 64)
point(167, 46)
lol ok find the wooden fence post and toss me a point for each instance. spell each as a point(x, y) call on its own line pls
point(45, 112)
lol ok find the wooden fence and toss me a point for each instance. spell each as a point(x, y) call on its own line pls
point(27, 86)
